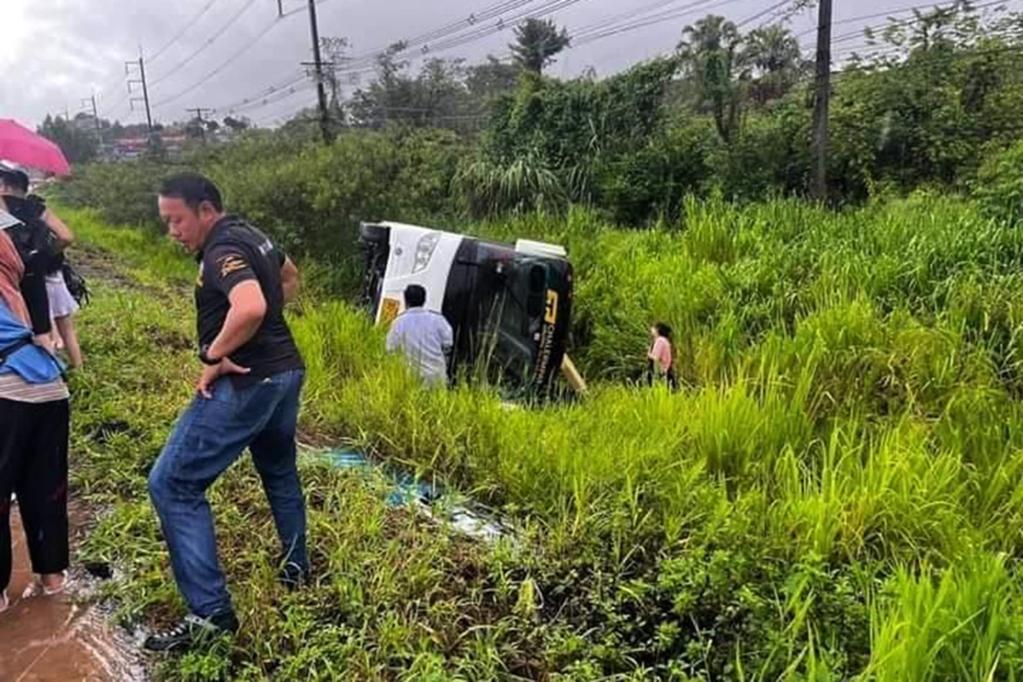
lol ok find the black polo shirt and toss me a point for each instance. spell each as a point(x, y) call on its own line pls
point(236, 252)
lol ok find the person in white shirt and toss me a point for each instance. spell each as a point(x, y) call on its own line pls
point(424, 336)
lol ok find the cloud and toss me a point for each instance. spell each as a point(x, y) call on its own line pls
point(57, 52)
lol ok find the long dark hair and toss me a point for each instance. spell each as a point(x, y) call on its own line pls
point(663, 330)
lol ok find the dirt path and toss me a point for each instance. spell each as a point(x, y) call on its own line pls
point(66, 638)
point(62, 638)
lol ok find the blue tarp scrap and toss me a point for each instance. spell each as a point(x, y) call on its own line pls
point(406, 491)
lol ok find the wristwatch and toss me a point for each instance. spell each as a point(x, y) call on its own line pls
point(206, 359)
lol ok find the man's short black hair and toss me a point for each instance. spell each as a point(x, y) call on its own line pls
point(15, 179)
point(415, 296)
point(193, 189)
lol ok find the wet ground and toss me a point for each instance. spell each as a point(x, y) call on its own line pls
point(63, 638)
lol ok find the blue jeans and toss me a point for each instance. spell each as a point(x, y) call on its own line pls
point(208, 437)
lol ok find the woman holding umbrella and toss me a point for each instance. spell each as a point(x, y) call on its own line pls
point(26, 148)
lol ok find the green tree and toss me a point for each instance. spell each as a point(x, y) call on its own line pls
point(537, 42)
point(435, 97)
point(710, 53)
point(237, 124)
point(490, 79)
point(79, 143)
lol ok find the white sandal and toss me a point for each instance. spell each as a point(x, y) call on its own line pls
point(36, 589)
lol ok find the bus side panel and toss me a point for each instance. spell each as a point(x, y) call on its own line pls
point(462, 303)
point(553, 341)
point(403, 269)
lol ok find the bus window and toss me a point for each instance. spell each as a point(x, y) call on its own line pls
point(536, 300)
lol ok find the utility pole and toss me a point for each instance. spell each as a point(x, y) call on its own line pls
point(199, 111)
point(141, 80)
point(95, 114)
point(95, 119)
point(821, 102)
point(321, 91)
point(329, 70)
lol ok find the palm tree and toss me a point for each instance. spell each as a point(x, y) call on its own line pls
point(709, 50)
point(776, 61)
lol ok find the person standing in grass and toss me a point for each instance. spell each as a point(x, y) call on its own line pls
point(247, 397)
point(424, 336)
point(39, 239)
point(14, 186)
point(34, 423)
point(660, 357)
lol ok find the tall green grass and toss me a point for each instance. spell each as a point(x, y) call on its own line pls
point(834, 495)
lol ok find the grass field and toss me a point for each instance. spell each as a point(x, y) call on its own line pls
point(836, 493)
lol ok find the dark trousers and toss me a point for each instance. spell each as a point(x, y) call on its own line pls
point(669, 377)
point(33, 464)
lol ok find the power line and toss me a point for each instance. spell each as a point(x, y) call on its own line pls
point(245, 48)
point(209, 41)
point(909, 20)
point(191, 22)
point(501, 25)
point(644, 22)
point(486, 14)
point(876, 15)
point(584, 34)
point(451, 38)
point(277, 97)
point(491, 12)
point(772, 9)
point(259, 121)
point(265, 92)
point(631, 14)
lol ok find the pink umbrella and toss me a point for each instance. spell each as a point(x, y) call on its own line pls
point(24, 147)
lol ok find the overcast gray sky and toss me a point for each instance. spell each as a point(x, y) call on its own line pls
point(57, 52)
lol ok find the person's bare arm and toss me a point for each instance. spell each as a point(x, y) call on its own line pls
point(65, 237)
point(289, 280)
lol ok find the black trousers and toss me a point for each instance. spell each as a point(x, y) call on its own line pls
point(33, 464)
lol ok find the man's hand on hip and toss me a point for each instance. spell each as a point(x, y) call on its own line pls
point(211, 373)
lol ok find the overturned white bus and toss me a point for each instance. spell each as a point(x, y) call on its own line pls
point(510, 306)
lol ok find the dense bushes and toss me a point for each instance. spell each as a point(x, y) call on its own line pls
point(313, 199)
point(124, 192)
point(1000, 185)
point(310, 198)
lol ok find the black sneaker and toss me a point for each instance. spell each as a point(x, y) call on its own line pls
point(293, 576)
point(191, 631)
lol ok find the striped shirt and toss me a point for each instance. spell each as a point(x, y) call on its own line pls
point(14, 388)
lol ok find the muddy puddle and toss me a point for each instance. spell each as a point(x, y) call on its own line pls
point(63, 638)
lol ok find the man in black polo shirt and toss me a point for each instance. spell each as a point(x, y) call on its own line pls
point(247, 396)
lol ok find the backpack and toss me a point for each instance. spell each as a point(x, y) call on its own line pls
point(34, 241)
point(76, 284)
